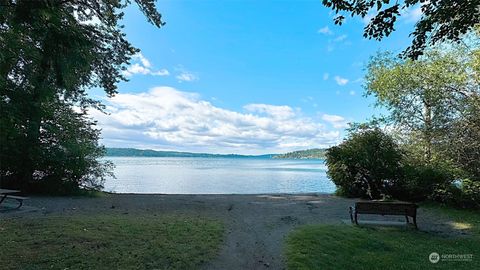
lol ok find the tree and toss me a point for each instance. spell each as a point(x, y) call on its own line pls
point(367, 164)
point(442, 20)
point(462, 143)
point(68, 154)
point(51, 53)
point(428, 97)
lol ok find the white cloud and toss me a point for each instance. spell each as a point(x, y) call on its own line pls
point(276, 112)
point(161, 72)
point(340, 38)
point(340, 80)
point(366, 20)
point(352, 93)
point(412, 14)
point(143, 66)
point(335, 120)
point(137, 69)
point(358, 80)
point(169, 119)
point(186, 76)
point(142, 59)
point(325, 76)
point(325, 30)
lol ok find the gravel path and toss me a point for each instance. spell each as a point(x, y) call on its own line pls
point(256, 225)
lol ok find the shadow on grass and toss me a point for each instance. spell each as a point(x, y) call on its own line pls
point(345, 246)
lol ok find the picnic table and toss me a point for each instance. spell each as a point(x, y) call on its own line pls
point(5, 194)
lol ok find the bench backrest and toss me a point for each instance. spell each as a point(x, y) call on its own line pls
point(386, 208)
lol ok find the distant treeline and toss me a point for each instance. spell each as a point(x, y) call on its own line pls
point(132, 152)
point(304, 154)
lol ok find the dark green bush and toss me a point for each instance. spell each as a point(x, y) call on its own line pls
point(367, 164)
point(470, 196)
point(419, 181)
point(466, 194)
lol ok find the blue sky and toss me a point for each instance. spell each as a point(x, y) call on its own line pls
point(245, 77)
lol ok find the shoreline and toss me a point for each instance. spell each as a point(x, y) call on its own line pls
point(221, 194)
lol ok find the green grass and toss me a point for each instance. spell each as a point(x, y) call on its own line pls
point(109, 242)
point(461, 217)
point(349, 247)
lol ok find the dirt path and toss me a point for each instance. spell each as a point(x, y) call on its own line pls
point(256, 225)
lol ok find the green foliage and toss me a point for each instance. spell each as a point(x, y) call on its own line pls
point(424, 96)
point(462, 142)
point(470, 196)
point(465, 194)
point(434, 106)
point(304, 154)
point(440, 21)
point(51, 52)
point(109, 242)
point(420, 181)
point(367, 164)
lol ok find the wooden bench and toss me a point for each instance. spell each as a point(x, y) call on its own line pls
point(19, 199)
point(384, 208)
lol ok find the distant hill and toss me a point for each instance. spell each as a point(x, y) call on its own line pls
point(132, 152)
point(304, 154)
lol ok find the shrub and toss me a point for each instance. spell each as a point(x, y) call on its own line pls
point(464, 195)
point(420, 181)
point(367, 164)
point(470, 193)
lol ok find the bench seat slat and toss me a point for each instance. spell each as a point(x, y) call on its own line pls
point(17, 197)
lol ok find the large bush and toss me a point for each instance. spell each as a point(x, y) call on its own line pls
point(419, 181)
point(462, 193)
point(367, 164)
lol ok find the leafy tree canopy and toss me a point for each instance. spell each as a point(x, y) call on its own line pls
point(441, 20)
point(429, 96)
point(51, 53)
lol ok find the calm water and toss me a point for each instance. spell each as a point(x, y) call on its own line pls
point(217, 176)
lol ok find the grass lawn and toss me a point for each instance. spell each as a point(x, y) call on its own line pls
point(349, 247)
point(109, 242)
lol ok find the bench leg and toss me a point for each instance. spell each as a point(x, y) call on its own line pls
point(20, 204)
point(350, 211)
point(415, 222)
point(356, 218)
point(3, 198)
point(406, 217)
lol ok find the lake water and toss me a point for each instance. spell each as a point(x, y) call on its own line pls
point(217, 176)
